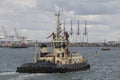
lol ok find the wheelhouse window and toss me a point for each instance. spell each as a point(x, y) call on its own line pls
point(57, 44)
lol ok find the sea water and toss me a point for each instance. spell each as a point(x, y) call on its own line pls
point(104, 66)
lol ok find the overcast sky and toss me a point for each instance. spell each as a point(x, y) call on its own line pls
point(35, 18)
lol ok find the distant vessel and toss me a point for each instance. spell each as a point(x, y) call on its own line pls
point(60, 60)
point(105, 49)
point(20, 45)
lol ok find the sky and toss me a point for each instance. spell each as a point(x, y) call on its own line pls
point(36, 18)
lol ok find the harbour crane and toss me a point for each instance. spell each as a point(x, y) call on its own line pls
point(16, 34)
point(5, 33)
point(19, 38)
point(6, 36)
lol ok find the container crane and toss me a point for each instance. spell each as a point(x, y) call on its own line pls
point(19, 38)
point(5, 33)
point(6, 36)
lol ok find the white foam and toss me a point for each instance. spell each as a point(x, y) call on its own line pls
point(7, 73)
point(23, 76)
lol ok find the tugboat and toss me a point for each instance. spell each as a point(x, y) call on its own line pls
point(60, 60)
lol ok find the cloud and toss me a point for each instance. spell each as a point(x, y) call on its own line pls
point(37, 16)
point(23, 3)
point(3, 10)
point(15, 7)
point(92, 7)
point(98, 28)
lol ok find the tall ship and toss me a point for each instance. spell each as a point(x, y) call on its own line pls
point(60, 60)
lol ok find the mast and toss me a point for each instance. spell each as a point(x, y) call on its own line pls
point(85, 34)
point(64, 26)
point(58, 24)
point(71, 31)
point(85, 29)
point(78, 32)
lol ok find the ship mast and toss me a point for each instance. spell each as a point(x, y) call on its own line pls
point(78, 33)
point(71, 32)
point(85, 34)
point(58, 24)
point(64, 27)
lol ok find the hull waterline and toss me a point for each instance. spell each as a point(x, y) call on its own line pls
point(52, 68)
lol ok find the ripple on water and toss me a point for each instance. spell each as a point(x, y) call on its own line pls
point(104, 67)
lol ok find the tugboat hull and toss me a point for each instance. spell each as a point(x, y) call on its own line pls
point(51, 68)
